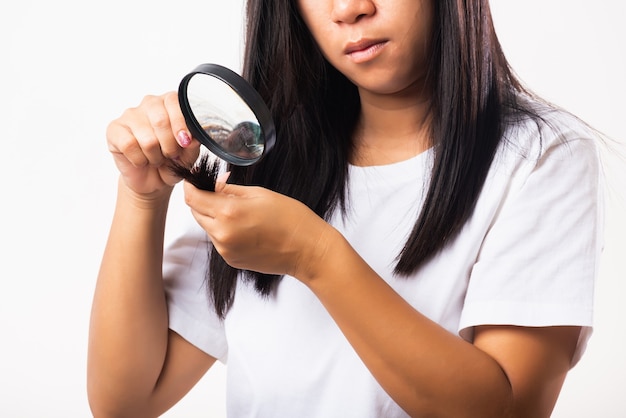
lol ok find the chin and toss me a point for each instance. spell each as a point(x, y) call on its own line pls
point(393, 87)
point(384, 82)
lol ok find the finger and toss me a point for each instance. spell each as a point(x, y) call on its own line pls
point(123, 144)
point(226, 189)
point(156, 137)
point(133, 136)
point(200, 201)
point(220, 181)
point(186, 149)
point(177, 120)
point(189, 155)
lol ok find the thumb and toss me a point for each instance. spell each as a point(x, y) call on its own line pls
point(233, 190)
point(221, 186)
point(223, 177)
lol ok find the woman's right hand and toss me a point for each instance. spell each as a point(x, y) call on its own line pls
point(145, 138)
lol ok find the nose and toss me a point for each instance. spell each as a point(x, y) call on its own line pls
point(351, 11)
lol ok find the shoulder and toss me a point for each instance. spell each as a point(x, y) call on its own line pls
point(537, 127)
point(541, 136)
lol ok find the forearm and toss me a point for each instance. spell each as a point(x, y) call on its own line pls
point(426, 369)
point(129, 325)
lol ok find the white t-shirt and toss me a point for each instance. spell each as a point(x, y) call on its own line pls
point(528, 256)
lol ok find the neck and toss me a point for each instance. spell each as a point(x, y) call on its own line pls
point(391, 128)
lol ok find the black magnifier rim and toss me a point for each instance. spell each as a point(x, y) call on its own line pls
point(247, 93)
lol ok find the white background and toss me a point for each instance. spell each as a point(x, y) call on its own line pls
point(68, 67)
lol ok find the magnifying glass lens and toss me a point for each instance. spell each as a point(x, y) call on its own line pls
point(226, 114)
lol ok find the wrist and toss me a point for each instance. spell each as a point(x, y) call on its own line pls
point(325, 249)
point(154, 201)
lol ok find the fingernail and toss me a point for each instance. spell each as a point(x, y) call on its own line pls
point(183, 139)
point(223, 177)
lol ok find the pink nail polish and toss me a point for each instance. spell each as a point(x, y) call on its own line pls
point(183, 139)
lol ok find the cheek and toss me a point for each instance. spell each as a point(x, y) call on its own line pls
point(316, 16)
point(324, 41)
point(310, 13)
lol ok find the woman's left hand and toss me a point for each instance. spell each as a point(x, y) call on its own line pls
point(256, 229)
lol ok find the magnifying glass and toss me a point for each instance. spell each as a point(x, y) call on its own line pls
point(226, 114)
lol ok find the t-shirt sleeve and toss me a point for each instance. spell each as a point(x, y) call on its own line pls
point(538, 262)
point(191, 313)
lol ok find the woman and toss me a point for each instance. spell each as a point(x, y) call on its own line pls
point(421, 241)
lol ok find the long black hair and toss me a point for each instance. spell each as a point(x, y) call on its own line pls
point(315, 109)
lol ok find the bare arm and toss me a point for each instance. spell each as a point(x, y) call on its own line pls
point(506, 372)
point(136, 367)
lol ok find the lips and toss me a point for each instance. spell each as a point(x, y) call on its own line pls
point(364, 49)
point(362, 45)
